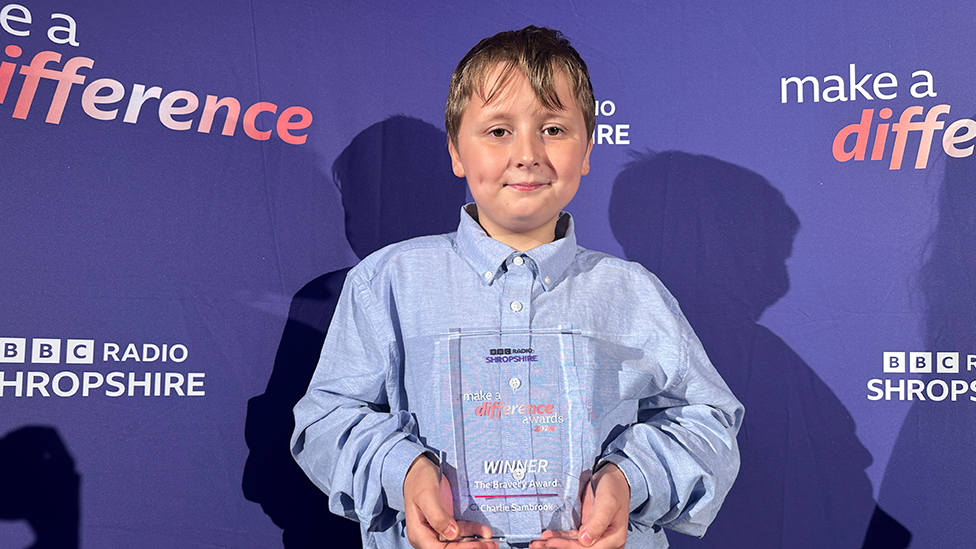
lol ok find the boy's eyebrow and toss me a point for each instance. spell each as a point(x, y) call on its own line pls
point(502, 115)
point(495, 109)
point(490, 94)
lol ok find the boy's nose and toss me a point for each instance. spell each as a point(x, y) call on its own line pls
point(529, 150)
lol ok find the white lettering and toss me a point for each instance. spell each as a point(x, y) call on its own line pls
point(920, 363)
point(177, 353)
point(17, 384)
point(150, 352)
point(110, 350)
point(784, 83)
point(894, 363)
point(114, 379)
point(7, 17)
point(145, 384)
point(131, 352)
point(606, 108)
point(13, 349)
point(947, 363)
point(874, 386)
point(915, 388)
point(925, 84)
point(80, 351)
point(46, 351)
point(943, 391)
point(959, 387)
point(174, 382)
point(70, 31)
point(193, 381)
point(91, 380)
point(622, 133)
point(56, 384)
point(39, 381)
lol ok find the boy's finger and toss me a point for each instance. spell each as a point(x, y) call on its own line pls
point(556, 539)
point(560, 534)
point(470, 529)
point(474, 544)
point(420, 533)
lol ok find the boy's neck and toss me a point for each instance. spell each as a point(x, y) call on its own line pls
point(520, 241)
point(523, 242)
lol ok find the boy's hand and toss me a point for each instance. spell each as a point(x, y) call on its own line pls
point(606, 507)
point(427, 499)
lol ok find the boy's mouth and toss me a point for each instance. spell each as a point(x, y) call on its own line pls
point(528, 186)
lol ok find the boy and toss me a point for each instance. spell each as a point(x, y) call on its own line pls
point(520, 116)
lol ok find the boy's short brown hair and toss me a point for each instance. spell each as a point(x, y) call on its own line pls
point(536, 52)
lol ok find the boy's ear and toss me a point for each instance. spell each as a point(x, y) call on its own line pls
point(455, 160)
point(586, 159)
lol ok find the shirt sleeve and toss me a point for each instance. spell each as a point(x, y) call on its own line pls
point(351, 437)
point(681, 456)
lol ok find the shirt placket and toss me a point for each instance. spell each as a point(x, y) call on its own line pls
point(516, 316)
point(517, 294)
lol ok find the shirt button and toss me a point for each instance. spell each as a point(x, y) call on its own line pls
point(487, 275)
point(547, 280)
point(518, 260)
point(516, 306)
point(515, 383)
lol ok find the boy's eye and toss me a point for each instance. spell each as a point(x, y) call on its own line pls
point(552, 131)
point(498, 132)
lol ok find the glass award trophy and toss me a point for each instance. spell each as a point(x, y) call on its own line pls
point(519, 445)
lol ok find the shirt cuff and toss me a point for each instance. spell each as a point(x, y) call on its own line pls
point(652, 489)
point(395, 465)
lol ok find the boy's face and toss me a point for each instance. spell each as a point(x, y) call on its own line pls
point(523, 162)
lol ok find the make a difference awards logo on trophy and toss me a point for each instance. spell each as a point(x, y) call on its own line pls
point(519, 454)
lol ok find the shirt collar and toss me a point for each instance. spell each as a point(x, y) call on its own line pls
point(487, 256)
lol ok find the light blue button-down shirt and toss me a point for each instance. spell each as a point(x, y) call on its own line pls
point(378, 400)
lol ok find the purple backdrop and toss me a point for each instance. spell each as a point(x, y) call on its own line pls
point(130, 221)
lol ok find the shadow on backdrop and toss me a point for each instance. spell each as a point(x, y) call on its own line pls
point(396, 183)
point(38, 483)
point(927, 484)
point(718, 236)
